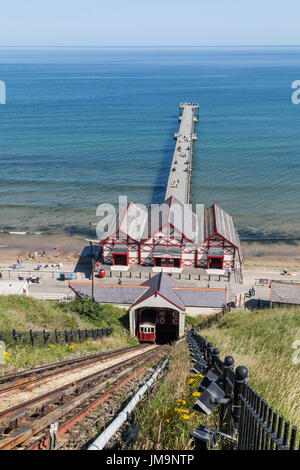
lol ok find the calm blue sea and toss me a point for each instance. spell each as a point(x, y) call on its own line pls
point(82, 126)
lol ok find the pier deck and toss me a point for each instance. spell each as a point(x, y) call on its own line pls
point(179, 182)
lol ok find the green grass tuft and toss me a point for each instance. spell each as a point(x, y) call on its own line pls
point(23, 313)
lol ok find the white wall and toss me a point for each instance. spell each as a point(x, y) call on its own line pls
point(195, 311)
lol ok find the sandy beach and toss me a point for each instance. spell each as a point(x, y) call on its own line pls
point(258, 255)
point(12, 245)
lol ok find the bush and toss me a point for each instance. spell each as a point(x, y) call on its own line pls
point(101, 315)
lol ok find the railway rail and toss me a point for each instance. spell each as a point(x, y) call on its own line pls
point(27, 378)
point(21, 426)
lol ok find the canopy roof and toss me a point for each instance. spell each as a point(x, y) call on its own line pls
point(217, 221)
point(159, 285)
point(285, 292)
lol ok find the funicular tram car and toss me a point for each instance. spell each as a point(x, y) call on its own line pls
point(147, 332)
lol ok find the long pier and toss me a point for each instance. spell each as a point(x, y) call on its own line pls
point(179, 183)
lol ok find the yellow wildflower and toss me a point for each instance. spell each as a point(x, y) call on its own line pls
point(181, 410)
point(185, 417)
point(181, 401)
point(196, 394)
point(51, 346)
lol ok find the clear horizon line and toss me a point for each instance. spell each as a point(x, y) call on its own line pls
point(148, 46)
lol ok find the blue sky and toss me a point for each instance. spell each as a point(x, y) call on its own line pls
point(149, 23)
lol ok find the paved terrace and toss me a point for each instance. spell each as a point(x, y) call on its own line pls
point(53, 289)
point(181, 169)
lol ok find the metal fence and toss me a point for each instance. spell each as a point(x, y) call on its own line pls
point(202, 275)
point(14, 274)
point(246, 420)
point(213, 318)
point(45, 338)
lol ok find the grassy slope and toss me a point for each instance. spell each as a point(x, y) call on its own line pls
point(23, 313)
point(260, 340)
point(165, 421)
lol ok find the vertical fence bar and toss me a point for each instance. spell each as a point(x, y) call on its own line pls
point(293, 438)
point(241, 379)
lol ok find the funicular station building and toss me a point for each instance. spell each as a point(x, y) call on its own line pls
point(161, 300)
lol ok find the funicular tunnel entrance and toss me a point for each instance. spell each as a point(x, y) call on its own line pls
point(166, 323)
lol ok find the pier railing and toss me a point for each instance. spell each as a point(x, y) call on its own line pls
point(246, 420)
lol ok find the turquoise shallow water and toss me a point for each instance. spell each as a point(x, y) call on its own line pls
point(82, 126)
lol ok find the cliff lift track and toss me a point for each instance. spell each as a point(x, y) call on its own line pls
point(21, 380)
point(22, 424)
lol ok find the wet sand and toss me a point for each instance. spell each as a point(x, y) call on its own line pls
point(284, 254)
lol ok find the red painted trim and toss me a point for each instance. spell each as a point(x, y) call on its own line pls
point(118, 254)
point(139, 301)
point(170, 301)
point(219, 257)
point(199, 288)
point(156, 293)
point(167, 261)
point(153, 233)
point(75, 291)
point(110, 285)
point(184, 236)
point(218, 235)
point(119, 228)
point(165, 244)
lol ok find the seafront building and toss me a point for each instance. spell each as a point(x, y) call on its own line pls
point(173, 236)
